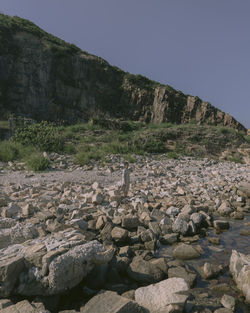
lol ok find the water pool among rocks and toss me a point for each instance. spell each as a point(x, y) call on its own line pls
point(209, 291)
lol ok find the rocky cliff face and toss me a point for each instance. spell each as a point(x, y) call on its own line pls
point(45, 78)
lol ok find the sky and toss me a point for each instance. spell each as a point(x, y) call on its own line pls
point(201, 47)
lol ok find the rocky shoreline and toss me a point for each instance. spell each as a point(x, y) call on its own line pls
point(69, 242)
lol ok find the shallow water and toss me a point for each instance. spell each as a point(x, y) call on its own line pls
point(229, 240)
point(218, 254)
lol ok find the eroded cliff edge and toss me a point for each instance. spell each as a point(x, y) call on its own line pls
point(45, 78)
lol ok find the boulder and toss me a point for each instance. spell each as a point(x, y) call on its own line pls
point(147, 235)
point(79, 223)
point(119, 234)
point(166, 221)
point(130, 222)
point(17, 234)
point(11, 265)
point(97, 198)
point(111, 302)
point(169, 239)
point(161, 263)
point(240, 270)
point(159, 297)
point(28, 210)
point(22, 306)
point(181, 272)
point(4, 303)
point(186, 252)
point(228, 302)
point(225, 209)
point(101, 221)
point(155, 228)
point(12, 211)
point(180, 226)
point(221, 225)
point(105, 233)
point(172, 211)
point(197, 218)
point(211, 270)
point(144, 271)
point(49, 265)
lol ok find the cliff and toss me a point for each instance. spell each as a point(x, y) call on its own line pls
point(45, 78)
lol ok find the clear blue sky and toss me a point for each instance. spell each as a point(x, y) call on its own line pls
point(201, 47)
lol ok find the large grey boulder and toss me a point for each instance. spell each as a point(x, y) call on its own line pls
point(111, 302)
point(159, 297)
point(197, 218)
point(49, 265)
point(144, 271)
point(12, 210)
point(180, 271)
point(228, 302)
point(17, 234)
point(119, 234)
point(22, 307)
point(240, 270)
point(180, 226)
point(130, 222)
point(186, 252)
point(221, 225)
point(211, 270)
point(225, 209)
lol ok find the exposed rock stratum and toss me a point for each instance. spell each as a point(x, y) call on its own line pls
point(45, 78)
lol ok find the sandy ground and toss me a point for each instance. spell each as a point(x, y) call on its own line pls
point(105, 178)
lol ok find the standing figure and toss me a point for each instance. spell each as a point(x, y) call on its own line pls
point(125, 179)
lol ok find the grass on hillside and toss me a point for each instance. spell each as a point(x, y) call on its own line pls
point(11, 24)
point(95, 140)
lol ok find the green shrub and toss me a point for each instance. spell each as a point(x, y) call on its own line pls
point(247, 138)
point(140, 81)
point(148, 144)
point(160, 126)
point(172, 155)
point(42, 135)
point(26, 151)
point(69, 149)
point(37, 162)
point(88, 139)
point(82, 158)
point(129, 158)
point(9, 151)
point(78, 128)
point(226, 130)
point(123, 137)
point(234, 159)
point(116, 147)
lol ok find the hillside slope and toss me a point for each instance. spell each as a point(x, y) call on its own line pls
point(45, 78)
